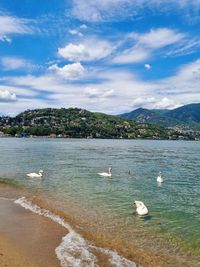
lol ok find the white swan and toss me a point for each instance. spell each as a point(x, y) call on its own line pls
point(141, 209)
point(109, 173)
point(159, 178)
point(35, 175)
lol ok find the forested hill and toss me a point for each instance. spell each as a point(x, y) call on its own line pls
point(75, 122)
point(185, 117)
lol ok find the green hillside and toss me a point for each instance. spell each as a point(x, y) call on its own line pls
point(78, 123)
point(186, 117)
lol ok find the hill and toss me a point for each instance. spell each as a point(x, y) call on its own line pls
point(185, 117)
point(78, 123)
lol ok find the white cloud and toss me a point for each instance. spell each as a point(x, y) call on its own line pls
point(5, 38)
point(158, 38)
point(99, 94)
point(117, 90)
point(48, 83)
point(21, 105)
point(13, 26)
point(90, 49)
point(102, 10)
point(154, 103)
point(145, 44)
point(19, 91)
point(73, 52)
point(71, 71)
point(75, 32)
point(189, 46)
point(83, 26)
point(147, 66)
point(186, 80)
point(14, 63)
point(133, 55)
point(6, 96)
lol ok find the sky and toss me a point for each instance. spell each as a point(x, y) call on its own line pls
point(110, 56)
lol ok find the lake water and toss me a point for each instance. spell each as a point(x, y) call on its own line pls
point(100, 208)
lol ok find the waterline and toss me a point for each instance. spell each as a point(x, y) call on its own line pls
point(74, 250)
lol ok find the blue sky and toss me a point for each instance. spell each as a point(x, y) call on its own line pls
point(111, 56)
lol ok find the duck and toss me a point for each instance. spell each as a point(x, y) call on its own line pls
point(159, 178)
point(108, 174)
point(35, 175)
point(141, 209)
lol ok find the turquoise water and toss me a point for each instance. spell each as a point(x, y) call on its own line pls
point(71, 169)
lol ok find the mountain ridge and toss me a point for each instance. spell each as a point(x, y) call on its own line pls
point(81, 123)
point(185, 117)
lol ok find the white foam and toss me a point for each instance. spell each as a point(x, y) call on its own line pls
point(74, 250)
point(115, 259)
point(118, 260)
point(28, 205)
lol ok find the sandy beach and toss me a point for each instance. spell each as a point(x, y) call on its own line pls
point(26, 239)
point(11, 255)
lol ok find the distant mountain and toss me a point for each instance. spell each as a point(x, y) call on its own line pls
point(188, 114)
point(159, 117)
point(186, 117)
point(79, 123)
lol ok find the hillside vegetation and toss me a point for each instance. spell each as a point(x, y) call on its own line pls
point(79, 123)
point(185, 117)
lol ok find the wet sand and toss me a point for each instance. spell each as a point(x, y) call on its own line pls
point(26, 239)
point(11, 255)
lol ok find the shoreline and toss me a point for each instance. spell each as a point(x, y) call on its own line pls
point(94, 138)
point(26, 239)
point(39, 236)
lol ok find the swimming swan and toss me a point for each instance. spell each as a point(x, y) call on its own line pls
point(141, 209)
point(159, 178)
point(109, 173)
point(35, 175)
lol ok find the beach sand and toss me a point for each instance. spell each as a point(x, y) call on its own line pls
point(26, 239)
point(11, 255)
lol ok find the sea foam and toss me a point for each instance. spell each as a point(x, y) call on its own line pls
point(74, 250)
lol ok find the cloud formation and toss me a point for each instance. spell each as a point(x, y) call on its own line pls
point(96, 94)
point(16, 63)
point(13, 26)
point(71, 71)
point(147, 66)
point(90, 49)
point(6, 96)
point(104, 10)
point(133, 55)
point(75, 32)
point(117, 91)
point(99, 58)
point(158, 38)
point(154, 103)
point(144, 44)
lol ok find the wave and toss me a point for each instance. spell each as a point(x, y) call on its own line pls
point(115, 259)
point(74, 250)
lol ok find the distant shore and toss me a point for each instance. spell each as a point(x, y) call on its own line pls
point(95, 138)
